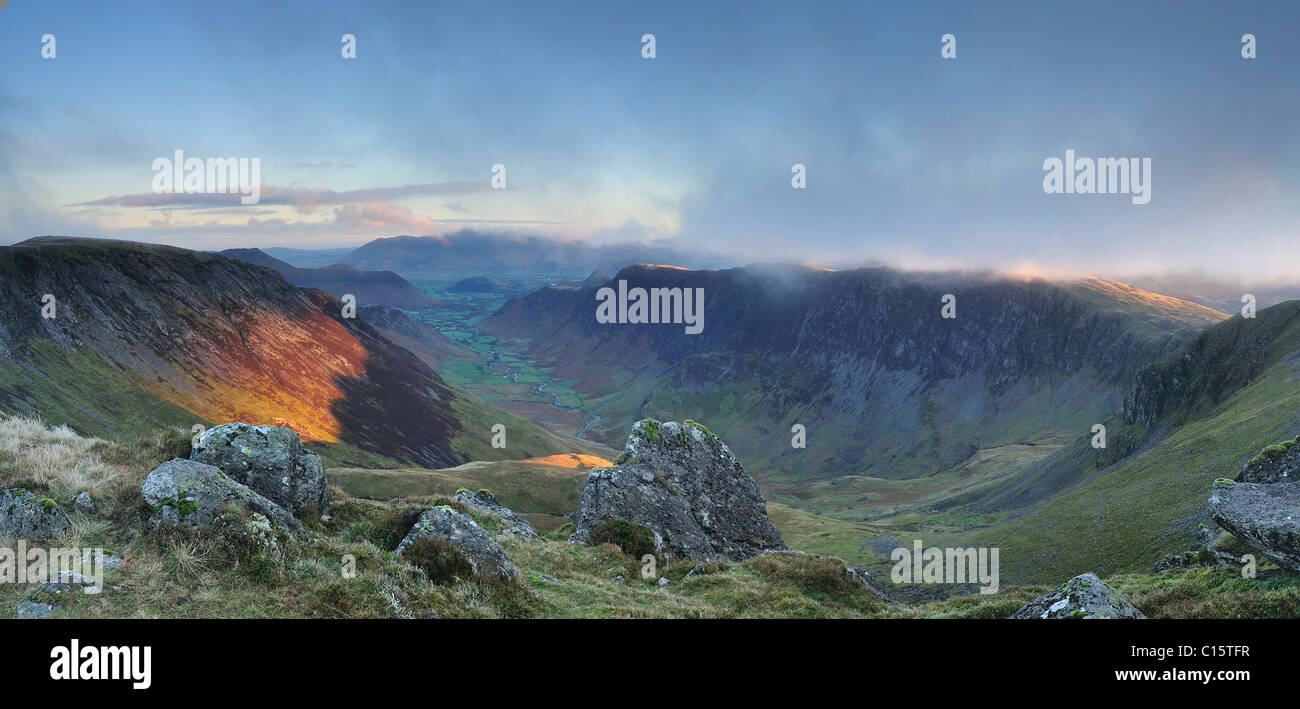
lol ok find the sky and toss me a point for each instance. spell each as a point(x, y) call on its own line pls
point(911, 159)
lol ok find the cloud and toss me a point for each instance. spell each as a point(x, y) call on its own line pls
point(321, 165)
point(384, 216)
point(305, 199)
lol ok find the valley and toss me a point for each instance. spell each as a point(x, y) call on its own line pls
point(977, 432)
point(971, 431)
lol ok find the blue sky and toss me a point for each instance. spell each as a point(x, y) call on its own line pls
point(912, 159)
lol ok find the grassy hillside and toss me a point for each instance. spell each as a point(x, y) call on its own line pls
point(147, 336)
point(229, 571)
point(78, 389)
point(1122, 512)
point(541, 490)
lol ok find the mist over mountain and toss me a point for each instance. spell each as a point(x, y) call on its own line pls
point(1222, 294)
point(883, 383)
point(481, 253)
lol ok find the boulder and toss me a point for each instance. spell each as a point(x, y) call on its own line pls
point(1265, 516)
point(33, 610)
point(188, 493)
point(483, 501)
point(26, 515)
point(1083, 596)
point(485, 555)
point(684, 484)
point(268, 459)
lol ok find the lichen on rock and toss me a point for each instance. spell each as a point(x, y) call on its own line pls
point(683, 483)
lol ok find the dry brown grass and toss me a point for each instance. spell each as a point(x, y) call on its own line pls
point(52, 459)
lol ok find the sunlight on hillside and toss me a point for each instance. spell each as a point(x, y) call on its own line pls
point(571, 460)
point(281, 371)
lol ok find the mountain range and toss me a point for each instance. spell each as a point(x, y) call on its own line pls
point(368, 287)
point(143, 336)
point(957, 406)
point(486, 253)
point(884, 385)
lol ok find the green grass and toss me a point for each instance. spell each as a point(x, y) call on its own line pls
point(1129, 515)
point(80, 390)
point(524, 439)
point(524, 487)
point(241, 568)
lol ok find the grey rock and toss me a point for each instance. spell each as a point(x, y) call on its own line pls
point(1265, 516)
point(485, 502)
point(111, 561)
point(484, 554)
point(1185, 560)
point(684, 484)
point(620, 581)
point(26, 515)
point(663, 581)
point(33, 610)
point(1278, 463)
point(83, 504)
point(67, 581)
point(868, 581)
point(188, 493)
point(546, 577)
point(268, 459)
point(1083, 596)
point(107, 561)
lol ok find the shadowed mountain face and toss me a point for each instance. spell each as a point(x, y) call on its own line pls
point(884, 385)
point(144, 335)
point(369, 287)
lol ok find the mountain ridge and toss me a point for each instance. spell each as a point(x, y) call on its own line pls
point(785, 344)
point(146, 335)
point(369, 287)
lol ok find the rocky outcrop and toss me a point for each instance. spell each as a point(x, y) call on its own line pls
point(1083, 596)
point(864, 577)
point(1279, 463)
point(1262, 506)
point(26, 515)
point(483, 501)
point(268, 459)
point(1211, 549)
point(1265, 516)
point(485, 555)
point(188, 493)
point(684, 484)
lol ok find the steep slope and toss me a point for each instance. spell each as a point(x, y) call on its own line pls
point(369, 287)
point(884, 385)
point(1199, 414)
point(423, 341)
point(146, 335)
